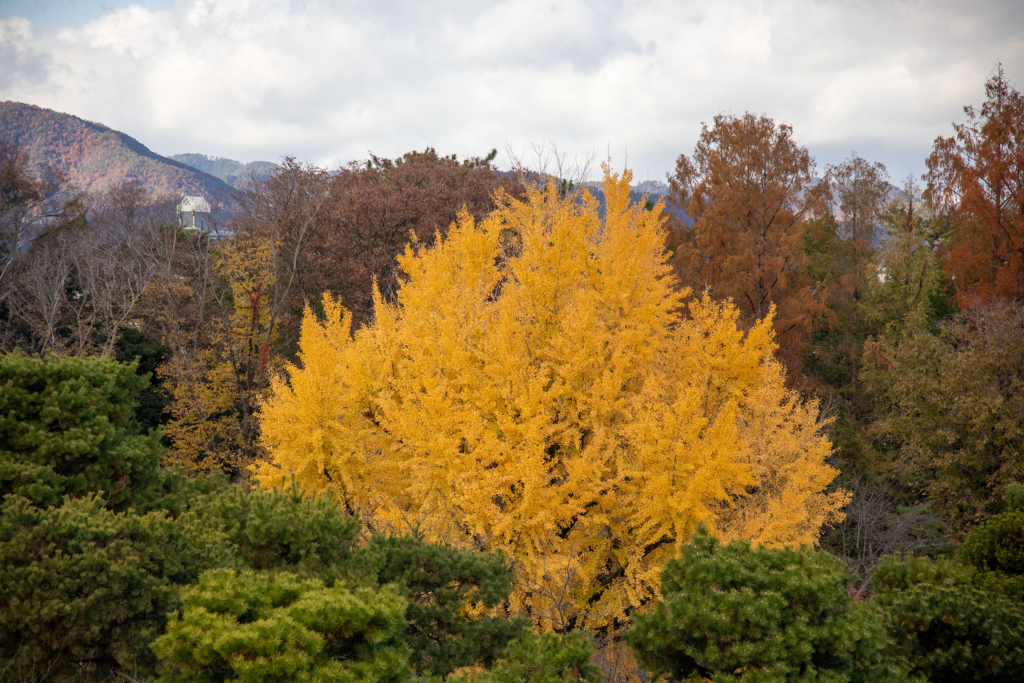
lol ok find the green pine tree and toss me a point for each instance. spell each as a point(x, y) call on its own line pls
point(67, 428)
point(274, 627)
point(440, 583)
point(738, 613)
point(962, 619)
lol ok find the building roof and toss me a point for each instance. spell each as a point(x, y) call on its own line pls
point(193, 203)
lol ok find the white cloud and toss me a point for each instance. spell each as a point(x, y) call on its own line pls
point(329, 81)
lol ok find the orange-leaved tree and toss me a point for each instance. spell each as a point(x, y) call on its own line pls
point(977, 179)
point(749, 189)
point(535, 388)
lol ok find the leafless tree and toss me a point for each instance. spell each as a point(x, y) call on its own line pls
point(547, 160)
point(280, 212)
point(31, 205)
point(116, 265)
point(877, 525)
point(38, 296)
point(77, 285)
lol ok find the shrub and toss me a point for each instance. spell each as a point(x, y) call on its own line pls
point(443, 586)
point(962, 620)
point(83, 590)
point(262, 626)
point(545, 658)
point(950, 621)
point(738, 613)
point(282, 529)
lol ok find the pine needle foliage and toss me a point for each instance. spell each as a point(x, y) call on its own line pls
point(537, 388)
point(962, 619)
point(283, 530)
point(268, 627)
point(84, 590)
point(544, 658)
point(449, 594)
point(66, 428)
point(738, 613)
point(950, 621)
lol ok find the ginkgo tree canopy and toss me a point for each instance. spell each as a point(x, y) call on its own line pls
point(542, 387)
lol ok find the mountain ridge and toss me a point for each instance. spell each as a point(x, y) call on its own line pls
point(234, 173)
point(94, 156)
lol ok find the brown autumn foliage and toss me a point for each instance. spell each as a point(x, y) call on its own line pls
point(341, 232)
point(749, 189)
point(94, 157)
point(977, 178)
point(376, 209)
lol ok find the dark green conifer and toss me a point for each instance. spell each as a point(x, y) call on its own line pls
point(962, 620)
point(66, 428)
point(738, 613)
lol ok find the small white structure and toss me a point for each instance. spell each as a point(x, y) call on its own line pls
point(194, 213)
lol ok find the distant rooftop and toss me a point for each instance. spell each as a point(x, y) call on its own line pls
point(193, 204)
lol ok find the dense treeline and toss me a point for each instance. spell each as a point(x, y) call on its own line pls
point(472, 401)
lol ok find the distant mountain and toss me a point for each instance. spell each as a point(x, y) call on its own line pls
point(654, 188)
point(232, 172)
point(93, 156)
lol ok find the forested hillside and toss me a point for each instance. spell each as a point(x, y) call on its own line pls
point(422, 419)
point(94, 158)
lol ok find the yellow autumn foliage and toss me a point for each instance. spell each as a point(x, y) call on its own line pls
point(215, 387)
point(537, 388)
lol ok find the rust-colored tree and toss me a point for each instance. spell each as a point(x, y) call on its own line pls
point(337, 233)
point(749, 189)
point(977, 179)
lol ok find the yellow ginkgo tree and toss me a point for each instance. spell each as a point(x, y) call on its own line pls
point(540, 387)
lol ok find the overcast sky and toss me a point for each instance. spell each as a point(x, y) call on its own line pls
point(328, 81)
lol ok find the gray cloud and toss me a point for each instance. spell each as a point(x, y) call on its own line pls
point(329, 81)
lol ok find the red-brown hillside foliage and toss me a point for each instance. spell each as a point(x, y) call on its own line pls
point(93, 157)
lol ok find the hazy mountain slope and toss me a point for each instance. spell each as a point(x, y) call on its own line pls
point(652, 190)
point(230, 171)
point(94, 156)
